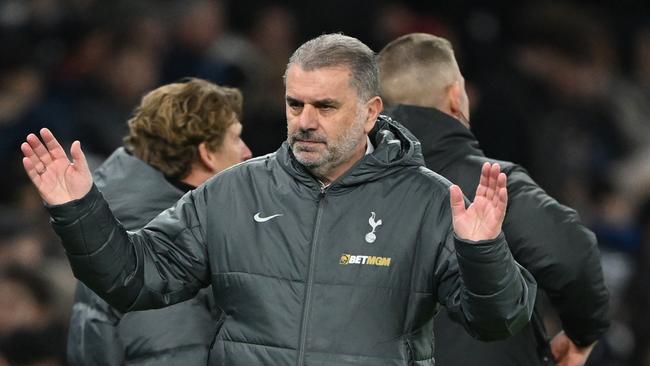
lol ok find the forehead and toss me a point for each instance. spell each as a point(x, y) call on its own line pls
point(319, 84)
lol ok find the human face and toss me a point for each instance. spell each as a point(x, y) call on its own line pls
point(327, 123)
point(233, 149)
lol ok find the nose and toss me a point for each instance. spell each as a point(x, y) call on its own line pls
point(246, 153)
point(308, 118)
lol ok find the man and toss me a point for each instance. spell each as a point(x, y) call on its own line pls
point(420, 78)
point(334, 250)
point(180, 135)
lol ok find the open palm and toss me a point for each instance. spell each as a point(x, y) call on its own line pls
point(483, 218)
point(57, 179)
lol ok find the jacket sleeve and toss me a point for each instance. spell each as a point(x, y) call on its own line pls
point(164, 263)
point(551, 242)
point(481, 285)
point(93, 337)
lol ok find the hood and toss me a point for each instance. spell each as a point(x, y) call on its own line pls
point(136, 191)
point(444, 138)
point(395, 149)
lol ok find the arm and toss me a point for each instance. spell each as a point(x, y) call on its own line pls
point(162, 264)
point(93, 337)
point(478, 280)
point(483, 288)
point(550, 241)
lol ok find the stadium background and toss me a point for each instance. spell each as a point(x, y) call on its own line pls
point(560, 87)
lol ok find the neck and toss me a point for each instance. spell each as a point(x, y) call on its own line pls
point(463, 120)
point(196, 177)
point(458, 116)
point(192, 181)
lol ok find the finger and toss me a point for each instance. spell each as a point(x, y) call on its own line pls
point(78, 157)
point(29, 153)
point(39, 149)
point(457, 201)
point(483, 183)
point(502, 179)
point(52, 144)
point(30, 169)
point(502, 203)
point(492, 181)
point(501, 185)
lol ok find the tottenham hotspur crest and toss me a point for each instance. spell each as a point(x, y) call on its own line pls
point(371, 237)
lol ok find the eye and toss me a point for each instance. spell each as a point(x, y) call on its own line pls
point(326, 107)
point(293, 104)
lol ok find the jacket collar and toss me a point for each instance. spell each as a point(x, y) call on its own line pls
point(444, 138)
point(394, 149)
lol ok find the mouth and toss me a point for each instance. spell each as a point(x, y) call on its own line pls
point(308, 143)
point(311, 142)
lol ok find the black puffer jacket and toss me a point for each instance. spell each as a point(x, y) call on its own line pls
point(351, 274)
point(544, 236)
point(177, 335)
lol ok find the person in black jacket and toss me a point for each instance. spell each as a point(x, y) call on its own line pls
point(422, 84)
point(336, 250)
point(179, 136)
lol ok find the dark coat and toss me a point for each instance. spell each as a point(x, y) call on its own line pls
point(99, 334)
point(544, 236)
point(350, 274)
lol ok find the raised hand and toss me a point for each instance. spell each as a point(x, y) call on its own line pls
point(57, 179)
point(483, 218)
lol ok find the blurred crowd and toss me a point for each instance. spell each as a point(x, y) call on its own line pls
point(562, 88)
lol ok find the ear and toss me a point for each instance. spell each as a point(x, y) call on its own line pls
point(374, 106)
point(454, 99)
point(206, 158)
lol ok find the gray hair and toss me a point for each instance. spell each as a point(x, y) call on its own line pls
point(335, 49)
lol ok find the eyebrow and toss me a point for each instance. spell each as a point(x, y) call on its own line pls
point(292, 100)
point(327, 102)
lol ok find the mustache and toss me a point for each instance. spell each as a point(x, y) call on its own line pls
point(306, 135)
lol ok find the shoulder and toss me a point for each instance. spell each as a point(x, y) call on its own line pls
point(517, 175)
point(256, 165)
point(429, 180)
point(507, 167)
point(249, 171)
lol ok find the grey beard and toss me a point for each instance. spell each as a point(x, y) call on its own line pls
point(338, 152)
point(320, 167)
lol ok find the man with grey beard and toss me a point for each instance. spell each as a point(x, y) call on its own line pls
point(335, 250)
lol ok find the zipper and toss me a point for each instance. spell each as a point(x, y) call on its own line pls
point(411, 354)
point(310, 279)
point(220, 323)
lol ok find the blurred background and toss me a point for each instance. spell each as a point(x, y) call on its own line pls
point(561, 87)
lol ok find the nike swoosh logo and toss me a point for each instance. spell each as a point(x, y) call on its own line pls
point(259, 218)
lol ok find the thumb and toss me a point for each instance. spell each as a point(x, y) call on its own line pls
point(78, 157)
point(456, 200)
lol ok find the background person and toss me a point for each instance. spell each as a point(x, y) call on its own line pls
point(421, 80)
point(180, 135)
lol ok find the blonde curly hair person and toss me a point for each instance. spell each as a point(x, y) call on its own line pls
point(181, 134)
point(177, 125)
